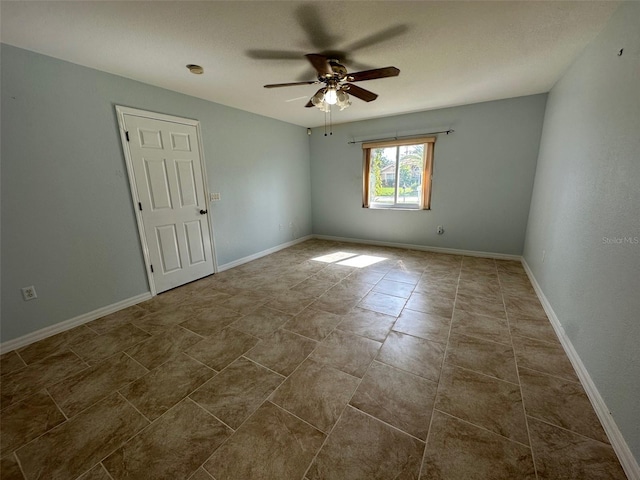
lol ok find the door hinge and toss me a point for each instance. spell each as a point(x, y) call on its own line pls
point(140, 205)
point(151, 268)
point(127, 135)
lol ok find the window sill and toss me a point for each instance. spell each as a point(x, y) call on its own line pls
point(395, 208)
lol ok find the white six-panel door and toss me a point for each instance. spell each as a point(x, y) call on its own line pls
point(165, 164)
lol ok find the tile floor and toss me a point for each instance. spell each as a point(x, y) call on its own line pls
point(322, 361)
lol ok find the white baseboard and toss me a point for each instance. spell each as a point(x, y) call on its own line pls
point(263, 253)
point(627, 460)
point(72, 322)
point(410, 246)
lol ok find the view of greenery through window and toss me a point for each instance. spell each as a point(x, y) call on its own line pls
point(396, 175)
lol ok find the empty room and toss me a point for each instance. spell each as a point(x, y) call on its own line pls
point(310, 240)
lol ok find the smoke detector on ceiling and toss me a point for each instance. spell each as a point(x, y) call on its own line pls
point(195, 69)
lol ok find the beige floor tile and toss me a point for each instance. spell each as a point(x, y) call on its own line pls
point(560, 402)
point(211, 321)
point(162, 388)
point(444, 289)
point(415, 355)
point(313, 287)
point(375, 411)
point(484, 401)
point(22, 383)
point(117, 319)
point(478, 276)
point(410, 277)
point(424, 325)
point(363, 448)
point(290, 302)
point(340, 305)
point(282, 352)
point(397, 289)
point(483, 356)
point(10, 362)
point(533, 327)
point(544, 357)
point(347, 352)
point(383, 303)
point(221, 349)
point(87, 387)
point(489, 290)
point(159, 348)
point(367, 323)
point(183, 438)
point(85, 440)
point(271, 445)
point(398, 398)
point(316, 393)
point(481, 326)
point(262, 322)
point(480, 305)
point(107, 344)
point(560, 454)
point(9, 468)
point(244, 303)
point(28, 419)
point(428, 304)
point(158, 321)
point(56, 344)
point(314, 324)
point(236, 392)
point(457, 450)
point(527, 306)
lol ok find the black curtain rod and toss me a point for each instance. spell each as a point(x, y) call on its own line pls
point(398, 138)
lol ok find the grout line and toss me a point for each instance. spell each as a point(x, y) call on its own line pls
point(386, 423)
point(209, 413)
point(444, 356)
point(524, 410)
point(480, 373)
point(57, 405)
point(147, 369)
point(482, 428)
point(568, 430)
point(136, 409)
point(260, 365)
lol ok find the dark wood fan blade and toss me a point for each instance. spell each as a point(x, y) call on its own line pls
point(320, 63)
point(291, 84)
point(361, 93)
point(309, 18)
point(373, 74)
point(309, 103)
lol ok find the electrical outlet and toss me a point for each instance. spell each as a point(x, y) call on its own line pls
point(544, 254)
point(440, 230)
point(29, 293)
point(280, 226)
point(214, 197)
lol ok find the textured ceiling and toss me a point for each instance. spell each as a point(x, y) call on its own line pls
point(449, 53)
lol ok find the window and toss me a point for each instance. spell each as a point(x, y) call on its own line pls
point(397, 173)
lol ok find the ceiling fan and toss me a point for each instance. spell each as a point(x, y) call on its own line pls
point(338, 83)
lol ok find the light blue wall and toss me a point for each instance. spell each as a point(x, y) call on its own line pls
point(482, 178)
point(587, 190)
point(68, 226)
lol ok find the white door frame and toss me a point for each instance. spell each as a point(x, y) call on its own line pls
point(121, 112)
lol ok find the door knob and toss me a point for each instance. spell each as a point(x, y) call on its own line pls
point(203, 212)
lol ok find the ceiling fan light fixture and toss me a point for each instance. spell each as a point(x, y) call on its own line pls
point(343, 100)
point(318, 98)
point(331, 96)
